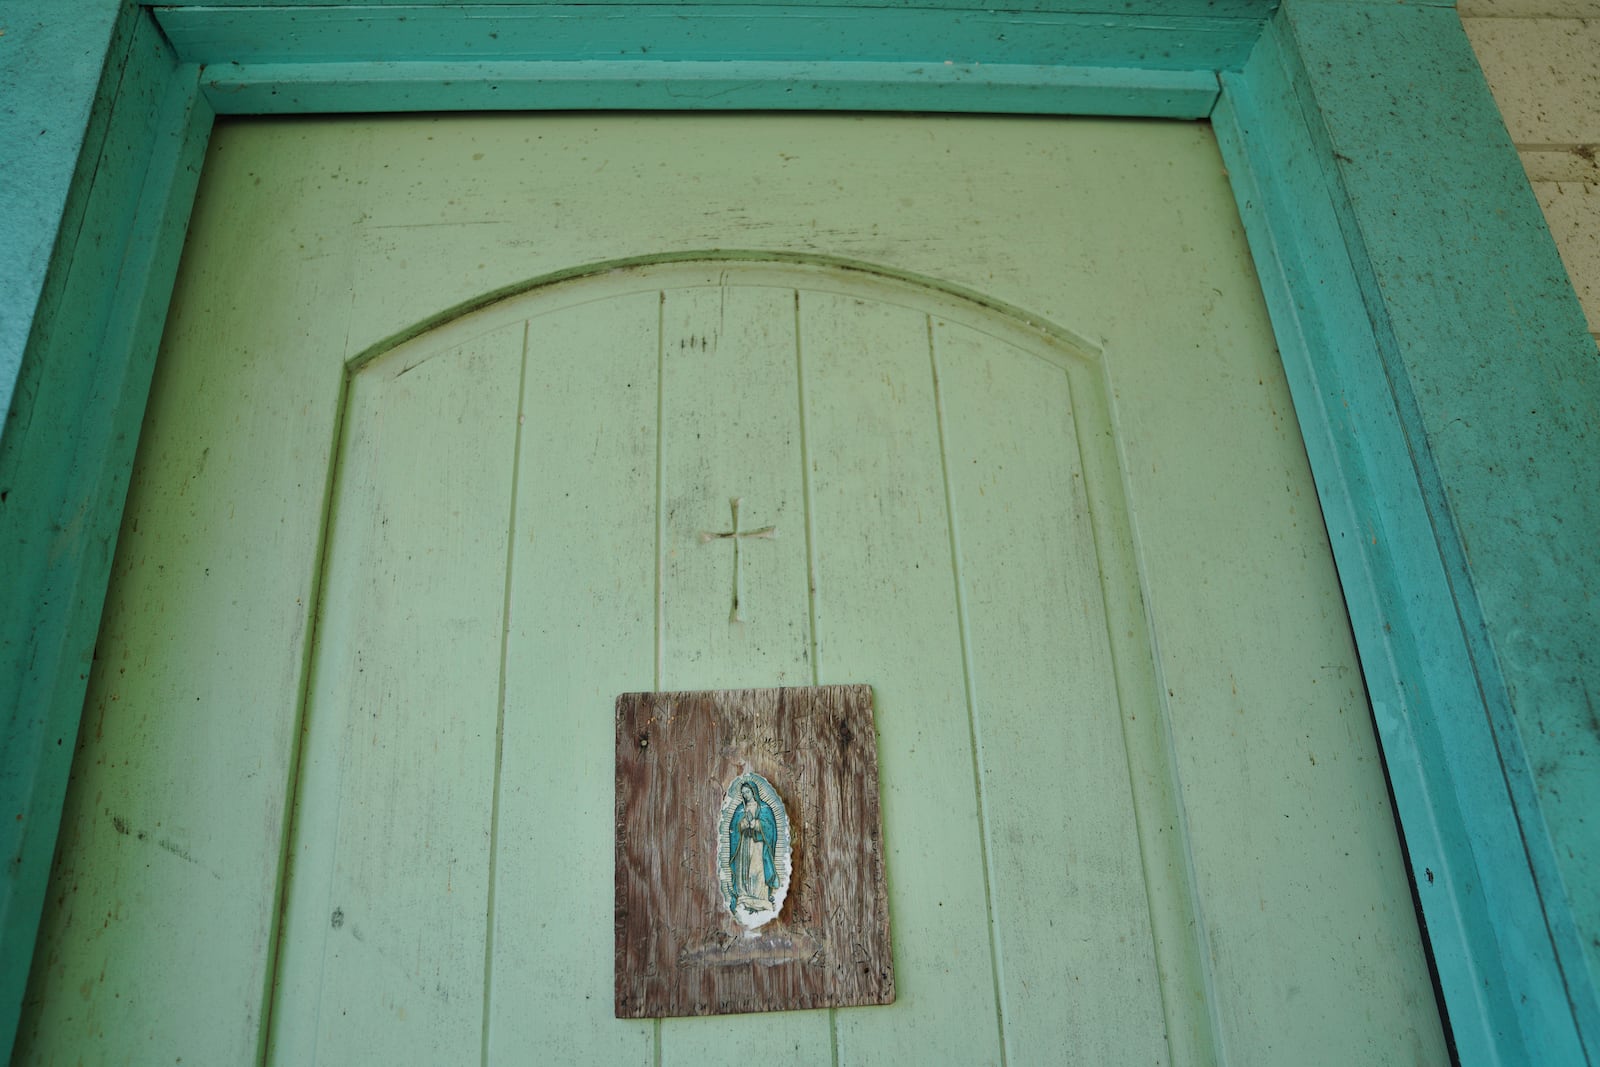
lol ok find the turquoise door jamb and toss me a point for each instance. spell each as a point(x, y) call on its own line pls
point(1442, 373)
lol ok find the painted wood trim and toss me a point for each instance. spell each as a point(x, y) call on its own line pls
point(313, 88)
point(68, 450)
point(1461, 779)
point(57, 108)
point(1442, 578)
point(675, 33)
point(1492, 369)
point(1253, 10)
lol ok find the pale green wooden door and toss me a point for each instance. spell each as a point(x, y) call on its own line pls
point(1006, 391)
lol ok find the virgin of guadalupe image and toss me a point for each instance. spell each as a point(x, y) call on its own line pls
point(753, 844)
point(754, 851)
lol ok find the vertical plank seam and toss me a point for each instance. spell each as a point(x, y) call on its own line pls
point(308, 654)
point(805, 499)
point(661, 537)
point(661, 510)
point(500, 706)
point(974, 734)
point(811, 572)
point(733, 611)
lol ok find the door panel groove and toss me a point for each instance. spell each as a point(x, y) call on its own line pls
point(805, 496)
point(313, 611)
point(659, 600)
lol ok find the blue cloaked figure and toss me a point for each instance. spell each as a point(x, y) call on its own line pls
point(752, 826)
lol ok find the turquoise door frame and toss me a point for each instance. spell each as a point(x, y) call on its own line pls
point(1444, 380)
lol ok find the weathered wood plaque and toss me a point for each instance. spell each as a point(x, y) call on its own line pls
point(749, 853)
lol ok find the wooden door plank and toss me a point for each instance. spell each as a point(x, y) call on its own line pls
point(885, 614)
point(576, 637)
point(1287, 807)
point(384, 931)
point(1177, 925)
point(1073, 933)
point(730, 428)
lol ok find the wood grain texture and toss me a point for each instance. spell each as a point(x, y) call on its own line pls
point(729, 427)
point(221, 543)
point(679, 950)
point(1157, 60)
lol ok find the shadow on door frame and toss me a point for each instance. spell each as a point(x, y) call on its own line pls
point(1441, 369)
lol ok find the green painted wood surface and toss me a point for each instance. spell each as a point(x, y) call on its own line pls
point(58, 106)
point(879, 537)
point(943, 552)
point(1042, 697)
point(1381, 548)
point(279, 59)
point(730, 427)
point(224, 899)
point(467, 33)
point(1257, 10)
point(1285, 725)
point(1481, 852)
point(85, 373)
point(1426, 615)
point(649, 85)
point(551, 878)
point(383, 942)
point(1540, 604)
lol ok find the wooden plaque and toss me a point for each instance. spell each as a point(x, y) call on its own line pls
point(749, 853)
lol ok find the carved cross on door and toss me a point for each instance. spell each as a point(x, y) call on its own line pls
point(736, 535)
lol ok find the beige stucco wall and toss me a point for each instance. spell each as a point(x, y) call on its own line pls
point(1542, 59)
